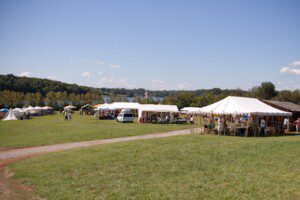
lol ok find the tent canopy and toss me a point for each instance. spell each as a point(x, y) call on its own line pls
point(191, 110)
point(157, 108)
point(47, 108)
point(70, 107)
point(242, 105)
point(125, 105)
point(10, 116)
point(105, 106)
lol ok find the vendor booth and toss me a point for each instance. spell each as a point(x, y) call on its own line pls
point(118, 106)
point(243, 116)
point(105, 111)
point(150, 113)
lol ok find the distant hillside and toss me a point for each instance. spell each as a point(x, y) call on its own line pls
point(32, 85)
point(43, 86)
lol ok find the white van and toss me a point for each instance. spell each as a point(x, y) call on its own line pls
point(125, 117)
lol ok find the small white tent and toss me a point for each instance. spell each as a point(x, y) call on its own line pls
point(10, 116)
point(157, 108)
point(242, 105)
point(125, 105)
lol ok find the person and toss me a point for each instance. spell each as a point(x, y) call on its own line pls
point(219, 125)
point(262, 127)
point(191, 120)
point(167, 118)
point(65, 115)
point(286, 123)
point(297, 122)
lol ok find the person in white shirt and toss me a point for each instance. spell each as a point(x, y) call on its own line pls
point(219, 126)
point(262, 127)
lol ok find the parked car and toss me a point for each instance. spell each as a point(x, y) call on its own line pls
point(125, 117)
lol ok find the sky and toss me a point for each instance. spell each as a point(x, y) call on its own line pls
point(154, 44)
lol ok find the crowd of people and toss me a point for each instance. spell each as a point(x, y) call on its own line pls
point(241, 124)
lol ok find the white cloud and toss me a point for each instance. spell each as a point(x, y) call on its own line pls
point(185, 86)
point(27, 74)
point(290, 70)
point(86, 74)
point(295, 63)
point(114, 66)
point(110, 81)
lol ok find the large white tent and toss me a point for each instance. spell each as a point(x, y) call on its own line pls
point(157, 108)
point(242, 105)
point(10, 116)
point(191, 110)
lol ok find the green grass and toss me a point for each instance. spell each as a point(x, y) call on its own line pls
point(53, 129)
point(181, 167)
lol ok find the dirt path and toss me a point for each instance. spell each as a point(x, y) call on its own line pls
point(14, 189)
point(17, 153)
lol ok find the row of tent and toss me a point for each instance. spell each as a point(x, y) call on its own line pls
point(229, 105)
point(22, 113)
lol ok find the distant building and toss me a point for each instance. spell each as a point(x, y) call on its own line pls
point(285, 106)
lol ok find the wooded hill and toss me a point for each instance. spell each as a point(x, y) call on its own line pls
point(23, 91)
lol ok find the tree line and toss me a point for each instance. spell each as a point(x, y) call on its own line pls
point(57, 100)
point(24, 91)
point(266, 91)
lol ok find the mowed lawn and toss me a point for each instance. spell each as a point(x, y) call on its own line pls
point(180, 167)
point(52, 129)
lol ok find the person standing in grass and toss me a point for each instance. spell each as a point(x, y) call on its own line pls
point(297, 122)
point(66, 115)
point(219, 125)
point(262, 127)
point(191, 120)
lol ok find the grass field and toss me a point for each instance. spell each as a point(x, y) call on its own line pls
point(53, 129)
point(181, 167)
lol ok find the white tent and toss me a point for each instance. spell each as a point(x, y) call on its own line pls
point(190, 110)
point(157, 108)
point(10, 116)
point(30, 108)
point(125, 105)
point(105, 106)
point(242, 105)
point(70, 107)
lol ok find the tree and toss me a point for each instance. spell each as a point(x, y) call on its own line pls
point(267, 90)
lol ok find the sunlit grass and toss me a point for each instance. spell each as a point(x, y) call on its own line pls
point(46, 130)
point(181, 167)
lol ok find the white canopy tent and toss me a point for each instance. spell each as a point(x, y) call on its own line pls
point(191, 110)
point(105, 106)
point(10, 116)
point(30, 108)
point(157, 108)
point(125, 105)
point(242, 105)
point(70, 107)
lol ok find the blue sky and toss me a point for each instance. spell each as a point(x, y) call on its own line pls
point(153, 44)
